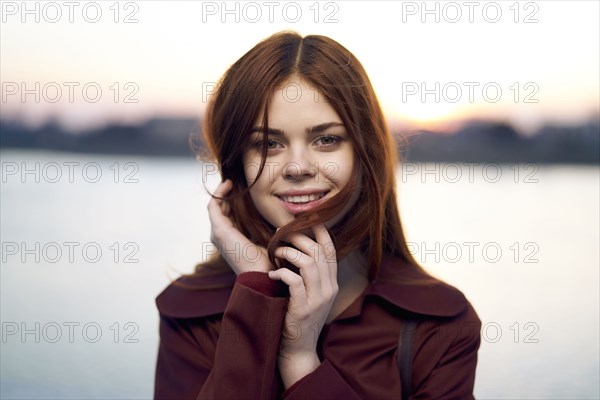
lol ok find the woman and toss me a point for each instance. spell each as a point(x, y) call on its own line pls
point(314, 280)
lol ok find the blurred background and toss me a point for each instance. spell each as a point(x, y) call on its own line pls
point(495, 106)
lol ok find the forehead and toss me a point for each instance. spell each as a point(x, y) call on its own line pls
point(296, 104)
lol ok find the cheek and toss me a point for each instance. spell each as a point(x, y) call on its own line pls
point(340, 170)
point(264, 202)
point(251, 168)
point(260, 187)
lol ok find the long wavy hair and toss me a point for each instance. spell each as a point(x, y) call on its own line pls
point(373, 224)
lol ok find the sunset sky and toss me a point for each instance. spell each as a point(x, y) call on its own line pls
point(526, 62)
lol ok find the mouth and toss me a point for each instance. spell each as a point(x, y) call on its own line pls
point(303, 199)
point(299, 203)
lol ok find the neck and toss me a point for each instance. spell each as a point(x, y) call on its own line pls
point(352, 276)
point(351, 269)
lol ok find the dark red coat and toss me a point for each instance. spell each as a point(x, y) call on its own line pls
point(222, 343)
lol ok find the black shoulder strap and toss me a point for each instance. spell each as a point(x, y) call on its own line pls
point(404, 355)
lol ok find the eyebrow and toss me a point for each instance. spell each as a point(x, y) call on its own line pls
point(311, 130)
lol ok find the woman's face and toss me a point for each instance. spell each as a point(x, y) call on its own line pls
point(309, 158)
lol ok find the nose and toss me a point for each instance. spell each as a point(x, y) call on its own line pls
point(299, 166)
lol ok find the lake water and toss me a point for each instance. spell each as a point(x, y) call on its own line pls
point(88, 241)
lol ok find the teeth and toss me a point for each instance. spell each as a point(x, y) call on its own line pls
point(302, 199)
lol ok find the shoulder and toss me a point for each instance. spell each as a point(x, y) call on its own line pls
point(196, 296)
point(413, 290)
point(447, 321)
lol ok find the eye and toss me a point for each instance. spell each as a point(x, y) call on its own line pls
point(271, 144)
point(328, 140)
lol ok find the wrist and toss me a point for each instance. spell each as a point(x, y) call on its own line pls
point(260, 282)
point(295, 367)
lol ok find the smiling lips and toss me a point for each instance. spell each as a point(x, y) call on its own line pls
point(296, 202)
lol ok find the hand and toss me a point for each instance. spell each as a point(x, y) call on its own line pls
point(240, 253)
point(312, 294)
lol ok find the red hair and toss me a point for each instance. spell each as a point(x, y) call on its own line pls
point(244, 92)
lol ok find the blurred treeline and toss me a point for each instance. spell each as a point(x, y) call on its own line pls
point(475, 141)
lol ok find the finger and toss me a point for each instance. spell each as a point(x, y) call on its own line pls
point(220, 191)
point(223, 188)
point(324, 239)
point(303, 243)
point(328, 250)
point(320, 275)
point(308, 270)
point(294, 282)
point(230, 242)
point(216, 212)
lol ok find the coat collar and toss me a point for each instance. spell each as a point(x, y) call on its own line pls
point(432, 299)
